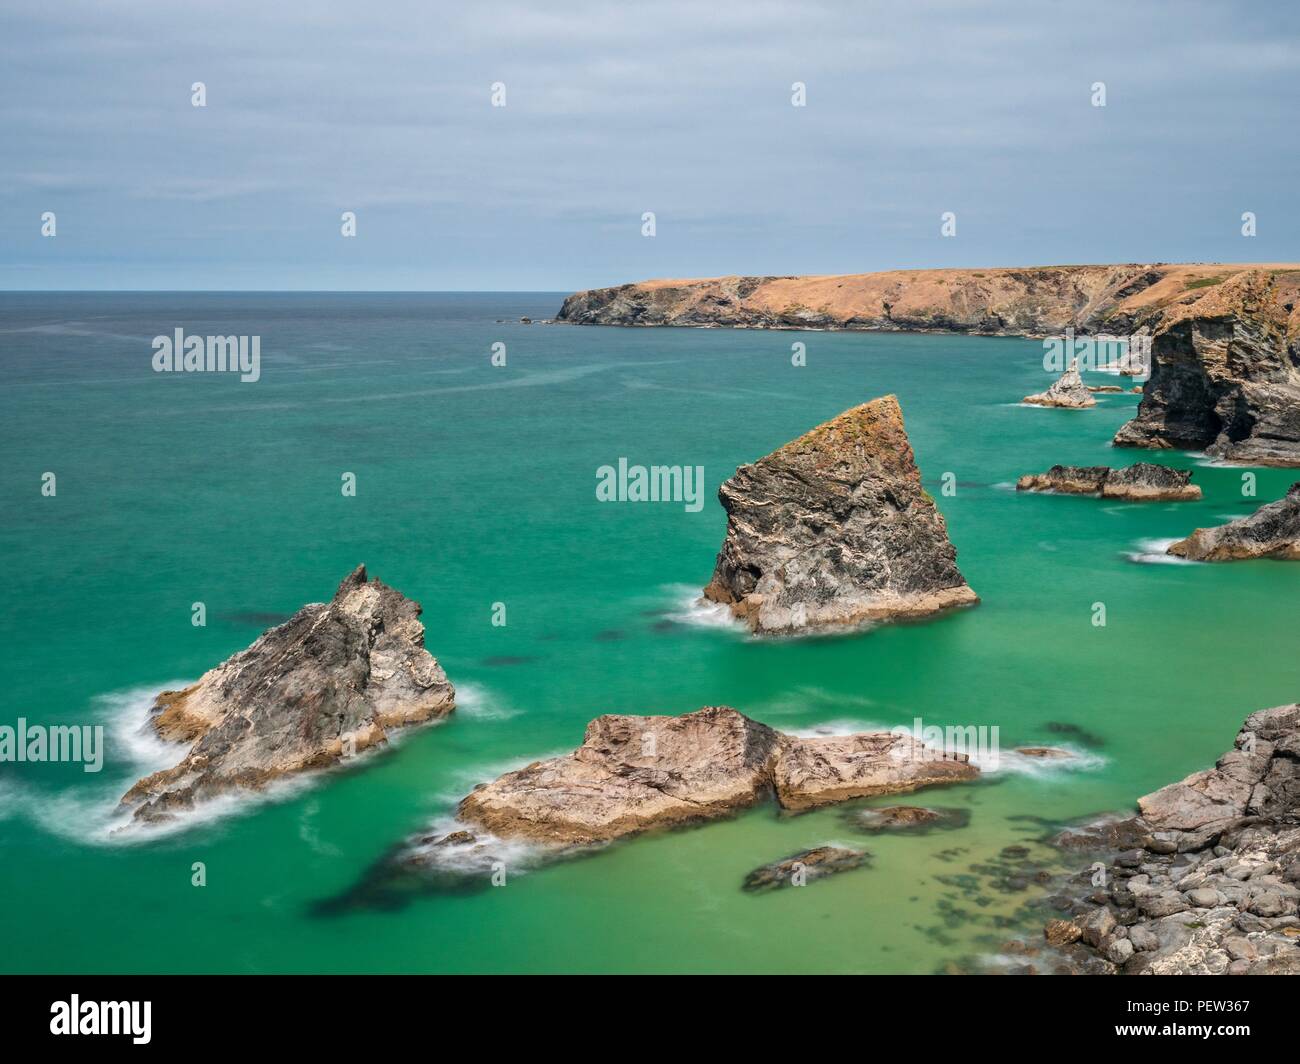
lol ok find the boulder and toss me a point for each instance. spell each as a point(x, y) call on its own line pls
point(834, 530)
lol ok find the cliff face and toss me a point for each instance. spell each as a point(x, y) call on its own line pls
point(834, 530)
point(329, 682)
point(1225, 374)
point(1032, 300)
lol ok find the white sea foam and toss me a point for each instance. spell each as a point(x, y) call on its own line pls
point(837, 728)
point(477, 702)
point(91, 813)
point(1155, 552)
point(692, 609)
point(481, 857)
point(1042, 768)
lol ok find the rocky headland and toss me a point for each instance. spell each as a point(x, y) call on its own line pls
point(834, 530)
point(1206, 879)
point(331, 681)
point(1016, 301)
point(633, 774)
point(1143, 482)
point(1067, 391)
point(1272, 531)
point(1225, 373)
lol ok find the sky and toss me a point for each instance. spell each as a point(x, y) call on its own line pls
point(385, 109)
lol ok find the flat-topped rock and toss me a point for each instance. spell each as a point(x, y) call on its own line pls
point(834, 530)
point(1272, 531)
point(1225, 374)
point(331, 681)
point(824, 771)
point(1143, 482)
point(1067, 391)
point(634, 773)
point(802, 868)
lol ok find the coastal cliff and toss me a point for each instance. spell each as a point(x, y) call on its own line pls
point(1034, 300)
point(1225, 374)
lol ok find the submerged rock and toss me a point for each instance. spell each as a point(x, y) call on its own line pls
point(1272, 531)
point(834, 530)
point(1204, 879)
point(1044, 753)
point(803, 867)
point(907, 819)
point(331, 681)
point(1143, 482)
point(1225, 375)
point(1068, 391)
point(632, 774)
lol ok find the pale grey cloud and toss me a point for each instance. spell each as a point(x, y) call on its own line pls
point(680, 108)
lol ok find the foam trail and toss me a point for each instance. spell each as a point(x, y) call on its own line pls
point(1155, 552)
point(692, 609)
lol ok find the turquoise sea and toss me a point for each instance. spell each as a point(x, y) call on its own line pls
point(475, 485)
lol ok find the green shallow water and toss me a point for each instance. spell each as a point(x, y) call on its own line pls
point(476, 485)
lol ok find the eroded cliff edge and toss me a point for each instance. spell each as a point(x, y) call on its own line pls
point(1034, 300)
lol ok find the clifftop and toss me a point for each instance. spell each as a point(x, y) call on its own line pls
point(995, 301)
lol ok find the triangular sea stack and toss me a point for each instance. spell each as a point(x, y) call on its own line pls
point(1068, 391)
point(329, 682)
point(834, 530)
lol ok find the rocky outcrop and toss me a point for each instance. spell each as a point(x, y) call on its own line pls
point(1068, 391)
point(824, 771)
point(331, 681)
point(1272, 531)
point(1015, 301)
point(834, 530)
point(632, 774)
point(1225, 374)
point(1143, 482)
point(1208, 880)
point(802, 868)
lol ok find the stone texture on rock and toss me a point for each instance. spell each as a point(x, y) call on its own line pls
point(1142, 482)
point(634, 773)
point(1212, 888)
point(331, 681)
point(1068, 391)
point(823, 771)
point(802, 868)
point(1272, 531)
point(834, 530)
point(1225, 374)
